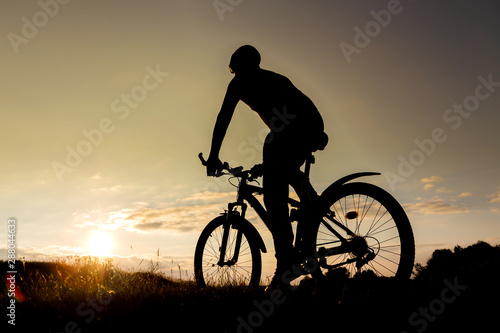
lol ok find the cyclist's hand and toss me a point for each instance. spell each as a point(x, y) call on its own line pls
point(214, 166)
point(257, 170)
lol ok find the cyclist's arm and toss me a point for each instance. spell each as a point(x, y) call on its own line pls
point(223, 120)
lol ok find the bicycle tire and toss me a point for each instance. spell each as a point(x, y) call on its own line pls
point(246, 272)
point(391, 234)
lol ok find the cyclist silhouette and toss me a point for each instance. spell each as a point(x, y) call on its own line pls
point(296, 130)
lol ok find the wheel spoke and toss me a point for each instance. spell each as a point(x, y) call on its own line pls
point(238, 273)
point(375, 224)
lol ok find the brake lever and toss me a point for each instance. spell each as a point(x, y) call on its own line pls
point(253, 179)
point(225, 166)
point(235, 171)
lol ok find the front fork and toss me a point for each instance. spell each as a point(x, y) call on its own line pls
point(228, 225)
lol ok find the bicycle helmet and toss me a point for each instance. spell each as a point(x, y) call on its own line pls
point(244, 58)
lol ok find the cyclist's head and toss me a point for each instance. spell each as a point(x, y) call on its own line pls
point(244, 59)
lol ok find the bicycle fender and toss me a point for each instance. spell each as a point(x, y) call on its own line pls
point(338, 183)
point(245, 224)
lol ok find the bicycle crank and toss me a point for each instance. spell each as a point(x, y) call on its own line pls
point(357, 247)
point(361, 251)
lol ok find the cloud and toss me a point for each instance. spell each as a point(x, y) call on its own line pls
point(183, 215)
point(465, 194)
point(109, 219)
point(429, 183)
point(180, 219)
point(189, 214)
point(206, 197)
point(495, 198)
point(437, 206)
point(115, 188)
point(431, 179)
point(443, 190)
point(47, 253)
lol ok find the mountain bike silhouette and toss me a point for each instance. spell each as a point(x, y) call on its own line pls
point(356, 225)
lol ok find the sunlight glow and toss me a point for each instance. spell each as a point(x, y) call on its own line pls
point(100, 244)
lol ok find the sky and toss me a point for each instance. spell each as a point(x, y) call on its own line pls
point(106, 104)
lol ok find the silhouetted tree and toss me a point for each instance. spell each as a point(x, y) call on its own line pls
point(477, 264)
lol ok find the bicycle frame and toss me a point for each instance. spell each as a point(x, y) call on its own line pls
point(246, 193)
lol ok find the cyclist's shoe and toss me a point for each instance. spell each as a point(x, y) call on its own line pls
point(278, 283)
point(285, 274)
point(281, 281)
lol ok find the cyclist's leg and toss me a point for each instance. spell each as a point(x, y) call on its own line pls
point(275, 199)
point(302, 186)
point(275, 186)
point(309, 216)
point(310, 210)
point(303, 146)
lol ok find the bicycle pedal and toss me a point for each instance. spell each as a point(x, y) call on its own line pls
point(308, 266)
point(322, 262)
point(322, 252)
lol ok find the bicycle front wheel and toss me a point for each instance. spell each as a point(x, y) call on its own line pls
point(382, 237)
point(241, 263)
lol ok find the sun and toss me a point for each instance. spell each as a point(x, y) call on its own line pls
point(100, 244)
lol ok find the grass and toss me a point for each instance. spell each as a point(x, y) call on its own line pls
point(89, 295)
point(98, 297)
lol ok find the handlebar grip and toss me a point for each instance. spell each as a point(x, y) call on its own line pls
point(203, 162)
point(225, 166)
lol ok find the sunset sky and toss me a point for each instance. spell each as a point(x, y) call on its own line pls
point(106, 104)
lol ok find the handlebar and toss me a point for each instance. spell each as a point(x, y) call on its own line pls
point(237, 171)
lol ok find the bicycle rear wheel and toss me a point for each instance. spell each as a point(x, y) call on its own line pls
point(381, 230)
point(239, 267)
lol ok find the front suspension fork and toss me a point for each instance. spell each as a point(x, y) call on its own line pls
point(228, 225)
